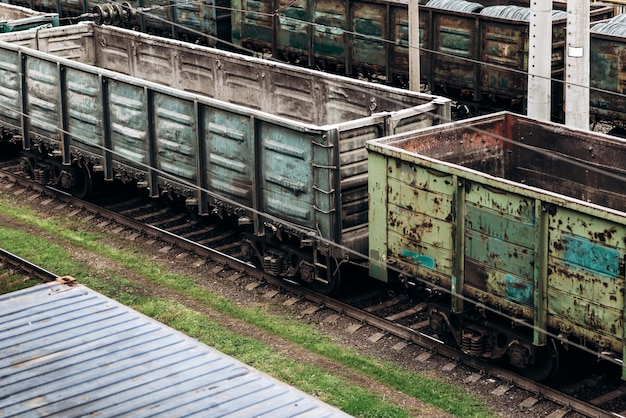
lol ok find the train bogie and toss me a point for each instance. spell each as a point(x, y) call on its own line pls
point(522, 223)
point(278, 148)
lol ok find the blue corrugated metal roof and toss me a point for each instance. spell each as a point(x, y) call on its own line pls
point(455, 5)
point(517, 12)
point(614, 26)
point(71, 352)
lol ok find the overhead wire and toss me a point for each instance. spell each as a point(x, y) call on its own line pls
point(327, 241)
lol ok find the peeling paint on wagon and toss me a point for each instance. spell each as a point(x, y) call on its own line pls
point(519, 290)
point(422, 260)
point(590, 255)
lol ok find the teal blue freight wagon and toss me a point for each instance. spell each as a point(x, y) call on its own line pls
point(275, 148)
point(520, 225)
point(15, 18)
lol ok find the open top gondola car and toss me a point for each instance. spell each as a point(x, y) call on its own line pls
point(277, 148)
point(519, 225)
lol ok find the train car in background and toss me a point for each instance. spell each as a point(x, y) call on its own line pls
point(204, 22)
point(471, 51)
point(607, 78)
point(278, 149)
point(618, 5)
point(517, 228)
point(15, 18)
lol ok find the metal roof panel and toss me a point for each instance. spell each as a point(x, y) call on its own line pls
point(71, 351)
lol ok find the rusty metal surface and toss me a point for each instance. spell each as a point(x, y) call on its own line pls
point(482, 186)
point(70, 351)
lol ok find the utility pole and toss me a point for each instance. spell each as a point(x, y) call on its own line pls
point(414, 44)
point(540, 60)
point(577, 64)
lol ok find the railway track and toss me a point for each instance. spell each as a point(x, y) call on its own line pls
point(370, 314)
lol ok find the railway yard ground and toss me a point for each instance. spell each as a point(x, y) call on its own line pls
point(309, 352)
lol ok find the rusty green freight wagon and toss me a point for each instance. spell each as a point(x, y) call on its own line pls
point(278, 148)
point(522, 223)
point(15, 18)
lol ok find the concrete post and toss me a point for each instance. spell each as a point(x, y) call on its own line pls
point(414, 43)
point(540, 60)
point(577, 57)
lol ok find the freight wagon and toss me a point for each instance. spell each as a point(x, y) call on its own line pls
point(15, 18)
point(277, 148)
point(521, 225)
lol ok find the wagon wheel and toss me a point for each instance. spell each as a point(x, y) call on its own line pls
point(546, 363)
point(84, 186)
point(327, 285)
point(27, 168)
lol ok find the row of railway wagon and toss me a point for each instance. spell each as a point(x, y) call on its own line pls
point(68, 351)
point(515, 229)
point(473, 52)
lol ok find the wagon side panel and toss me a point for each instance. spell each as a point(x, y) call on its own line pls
point(84, 111)
point(417, 206)
point(253, 24)
point(175, 133)
point(42, 101)
point(229, 150)
point(286, 185)
point(195, 18)
point(504, 48)
point(293, 32)
point(586, 276)
point(500, 236)
point(370, 27)
point(10, 90)
point(606, 76)
point(330, 20)
point(129, 127)
point(74, 42)
point(455, 40)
